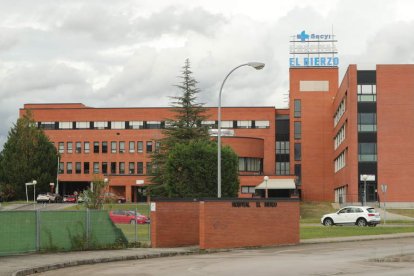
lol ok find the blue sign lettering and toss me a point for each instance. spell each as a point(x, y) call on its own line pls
point(314, 62)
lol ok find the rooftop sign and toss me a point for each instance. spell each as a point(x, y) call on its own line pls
point(313, 50)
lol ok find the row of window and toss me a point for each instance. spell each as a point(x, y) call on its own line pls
point(340, 111)
point(367, 122)
point(248, 189)
point(298, 152)
point(282, 147)
point(102, 147)
point(340, 136)
point(340, 161)
point(297, 109)
point(297, 126)
point(247, 164)
point(367, 152)
point(367, 93)
point(147, 124)
point(282, 168)
point(97, 167)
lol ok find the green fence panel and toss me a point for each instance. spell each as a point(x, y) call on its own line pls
point(63, 230)
point(103, 233)
point(29, 231)
point(17, 232)
point(134, 232)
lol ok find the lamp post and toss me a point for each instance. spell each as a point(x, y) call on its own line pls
point(266, 178)
point(57, 175)
point(33, 183)
point(364, 196)
point(255, 65)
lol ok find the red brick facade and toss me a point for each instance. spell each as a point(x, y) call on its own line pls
point(249, 141)
point(316, 131)
point(395, 113)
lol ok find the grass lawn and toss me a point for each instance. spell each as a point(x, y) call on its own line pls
point(404, 212)
point(142, 208)
point(5, 203)
point(143, 232)
point(314, 232)
point(311, 212)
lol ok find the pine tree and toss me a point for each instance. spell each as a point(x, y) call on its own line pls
point(186, 125)
point(185, 132)
point(27, 155)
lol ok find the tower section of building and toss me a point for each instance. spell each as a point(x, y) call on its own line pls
point(311, 95)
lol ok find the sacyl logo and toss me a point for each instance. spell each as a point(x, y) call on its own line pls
point(303, 36)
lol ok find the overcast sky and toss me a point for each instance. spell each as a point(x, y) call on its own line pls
point(121, 53)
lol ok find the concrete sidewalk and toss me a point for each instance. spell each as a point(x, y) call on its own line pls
point(33, 263)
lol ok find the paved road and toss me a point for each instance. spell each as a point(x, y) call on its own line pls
point(36, 206)
point(349, 258)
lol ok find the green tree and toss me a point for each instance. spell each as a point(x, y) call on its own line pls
point(94, 197)
point(185, 132)
point(183, 128)
point(186, 125)
point(191, 170)
point(27, 155)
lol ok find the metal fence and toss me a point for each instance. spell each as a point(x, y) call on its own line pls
point(38, 230)
point(135, 224)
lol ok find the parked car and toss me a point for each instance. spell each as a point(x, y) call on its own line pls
point(111, 197)
point(121, 216)
point(354, 215)
point(69, 199)
point(81, 198)
point(48, 197)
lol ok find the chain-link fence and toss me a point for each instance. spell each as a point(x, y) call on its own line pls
point(38, 230)
point(135, 224)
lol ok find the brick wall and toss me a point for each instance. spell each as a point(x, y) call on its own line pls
point(225, 223)
point(174, 224)
point(224, 226)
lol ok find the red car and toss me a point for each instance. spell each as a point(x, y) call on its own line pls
point(69, 199)
point(121, 216)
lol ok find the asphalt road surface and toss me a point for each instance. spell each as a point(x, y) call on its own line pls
point(36, 206)
point(347, 258)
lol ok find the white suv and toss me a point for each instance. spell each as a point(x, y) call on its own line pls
point(357, 215)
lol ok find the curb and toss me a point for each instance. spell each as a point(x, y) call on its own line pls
point(358, 238)
point(44, 268)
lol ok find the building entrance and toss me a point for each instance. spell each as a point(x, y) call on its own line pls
point(139, 194)
point(371, 190)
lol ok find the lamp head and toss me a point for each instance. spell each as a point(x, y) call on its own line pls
point(256, 65)
point(34, 182)
point(364, 177)
point(266, 178)
point(105, 180)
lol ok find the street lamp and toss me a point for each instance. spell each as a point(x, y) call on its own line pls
point(255, 65)
point(266, 178)
point(364, 197)
point(33, 183)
